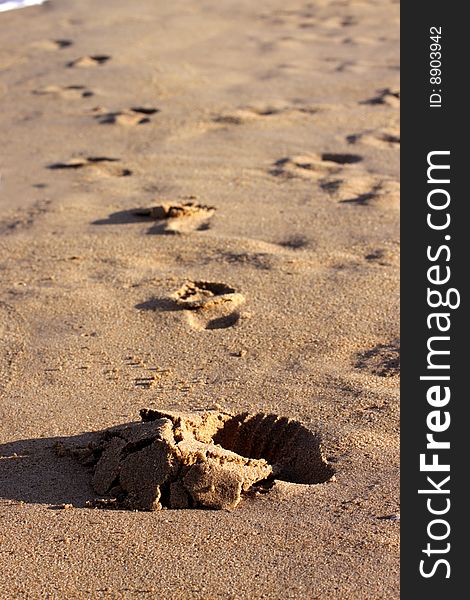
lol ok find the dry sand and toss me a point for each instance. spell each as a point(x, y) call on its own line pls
point(267, 134)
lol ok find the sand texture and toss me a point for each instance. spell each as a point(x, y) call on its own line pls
point(199, 207)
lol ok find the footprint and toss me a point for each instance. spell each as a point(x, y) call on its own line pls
point(131, 116)
point(261, 110)
point(313, 166)
point(381, 138)
point(67, 91)
point(101, 165)
point(382, 360)
point(388, 96)
point(89, 61)
point(365, 190)
point(196, 460)
point(209, 305)
point(178, 217)
point(295, 242)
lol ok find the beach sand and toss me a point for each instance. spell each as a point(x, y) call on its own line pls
point(277, 125)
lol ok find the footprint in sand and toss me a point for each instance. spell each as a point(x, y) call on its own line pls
point(66, 91)
point(382, 360)
point(387, 96)
point(337, 174)
point(260, 111)
point(89, 61)
point(208, 459)
point(133, 116)
point(313, 166)
point(209, 305)
point(364, 190)
point(380, 138)
point(177, 217)
point(307, 18)
point(100, 165)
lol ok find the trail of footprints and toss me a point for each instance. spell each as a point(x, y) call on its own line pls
point(212, 305)
point(207, 305)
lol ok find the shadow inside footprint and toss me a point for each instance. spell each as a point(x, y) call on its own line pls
point(223, 322)
point(341, 159)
